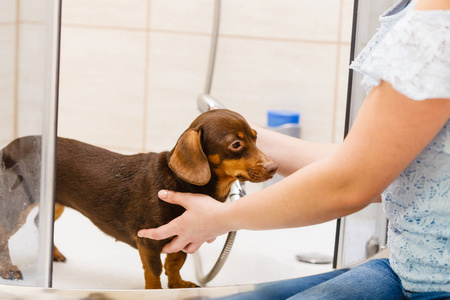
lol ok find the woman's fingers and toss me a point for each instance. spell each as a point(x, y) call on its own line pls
point(160, 233)
point(176, 245)
point(168, 230)
point(192, 247)
point(174, 197)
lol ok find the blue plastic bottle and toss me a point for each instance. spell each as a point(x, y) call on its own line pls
point(286, 122)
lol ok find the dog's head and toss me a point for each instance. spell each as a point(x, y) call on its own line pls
point(222, 142)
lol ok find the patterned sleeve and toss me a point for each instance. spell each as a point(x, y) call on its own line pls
point(414, 56)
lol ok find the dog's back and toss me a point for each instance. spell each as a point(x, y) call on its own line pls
point(118, 193)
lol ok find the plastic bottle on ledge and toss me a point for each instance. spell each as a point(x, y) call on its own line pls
point(286, 122)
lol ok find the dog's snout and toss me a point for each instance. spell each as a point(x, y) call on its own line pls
point(271, 168)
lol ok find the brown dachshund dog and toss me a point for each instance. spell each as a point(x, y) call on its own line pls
point(118, 193)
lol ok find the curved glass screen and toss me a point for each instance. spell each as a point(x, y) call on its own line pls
point(27, 110)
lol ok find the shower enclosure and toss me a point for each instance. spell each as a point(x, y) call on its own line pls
point(29, 72)
point(30, 64)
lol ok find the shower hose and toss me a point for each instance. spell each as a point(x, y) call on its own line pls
point(236, 192)
point(204, 103)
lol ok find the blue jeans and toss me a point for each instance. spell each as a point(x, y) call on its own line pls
point(372, 280)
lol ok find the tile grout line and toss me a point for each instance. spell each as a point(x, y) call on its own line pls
point(336, 75)
point(274, 39)
point(103, 27)
point(230, 36)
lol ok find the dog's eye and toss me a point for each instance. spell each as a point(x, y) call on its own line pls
point(236, 145)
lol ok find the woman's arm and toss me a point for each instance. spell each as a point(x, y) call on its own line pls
point(389, 132)
point(432, 4)
point(289, 153)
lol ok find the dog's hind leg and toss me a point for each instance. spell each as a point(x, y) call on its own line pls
point(172, 265)
point(7, 269)
point(19, 181)
point(57, 255)
point(14, 220)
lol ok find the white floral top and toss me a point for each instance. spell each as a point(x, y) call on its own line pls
point(411, 51)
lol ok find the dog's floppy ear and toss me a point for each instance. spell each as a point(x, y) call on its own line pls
point(188, 160)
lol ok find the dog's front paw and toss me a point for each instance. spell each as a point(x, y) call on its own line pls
point(12, 273)
point(181, 284)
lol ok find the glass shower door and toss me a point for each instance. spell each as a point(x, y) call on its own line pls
point(29, 48)
point(361, 234)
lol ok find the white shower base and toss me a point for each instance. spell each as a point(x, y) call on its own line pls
point(97, 261)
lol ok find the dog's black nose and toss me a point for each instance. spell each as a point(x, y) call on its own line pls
point(271, 169)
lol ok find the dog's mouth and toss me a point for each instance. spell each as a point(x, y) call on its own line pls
point(253, 179)
point(239, 170)
point(257, 174)
point(241, 178)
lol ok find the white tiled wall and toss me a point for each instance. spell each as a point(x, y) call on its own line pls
point(7, 69)
point(131, 71)
point(7, 12)
point(7, 57)
point(106, 13)
point(287, 19)
point(102, 85)
point(21, 68)
point(30, 79)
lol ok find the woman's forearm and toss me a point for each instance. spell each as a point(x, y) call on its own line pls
point(299, 200)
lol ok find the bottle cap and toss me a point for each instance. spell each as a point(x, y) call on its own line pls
point(277, 118)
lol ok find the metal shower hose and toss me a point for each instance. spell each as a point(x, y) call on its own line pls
point(236, 192)
point(204, 103)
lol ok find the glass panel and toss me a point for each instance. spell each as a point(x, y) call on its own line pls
point(27, 111)
point(368, 226)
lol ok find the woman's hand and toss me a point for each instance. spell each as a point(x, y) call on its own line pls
point(201, 222)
